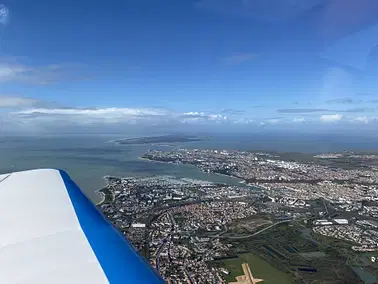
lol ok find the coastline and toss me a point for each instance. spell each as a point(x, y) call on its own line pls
point(163, 141)
point(102, 197)
point(99, 191)
point(154, 161)
point(241, 181)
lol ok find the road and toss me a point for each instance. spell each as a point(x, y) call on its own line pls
point(165, 241)
point(325, 206)
point(191, 280)
point(258, 232)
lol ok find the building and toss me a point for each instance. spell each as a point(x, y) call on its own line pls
point(322, 222)
point(341, 221)
point(138, 225)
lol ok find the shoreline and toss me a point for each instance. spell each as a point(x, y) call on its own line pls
point(154, 161)
point(99, 191)
point(240, 180)
point(102, 197)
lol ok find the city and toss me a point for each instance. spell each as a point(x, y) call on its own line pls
point(191, 230)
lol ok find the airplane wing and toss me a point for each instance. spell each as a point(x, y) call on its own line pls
point(52, 233)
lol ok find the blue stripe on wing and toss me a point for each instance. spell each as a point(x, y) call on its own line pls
point(119, 260)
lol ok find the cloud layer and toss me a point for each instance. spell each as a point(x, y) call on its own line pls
point(301, 110)
point(24, 114)
point(315, 110)
point(105, 119)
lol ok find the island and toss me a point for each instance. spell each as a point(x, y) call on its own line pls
point(157, 139)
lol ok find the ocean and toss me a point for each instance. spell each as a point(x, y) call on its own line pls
point(88, 158)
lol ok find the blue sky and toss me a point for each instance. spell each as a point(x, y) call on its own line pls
point(229, 64)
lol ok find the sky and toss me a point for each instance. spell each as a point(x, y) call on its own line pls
point(188, 65)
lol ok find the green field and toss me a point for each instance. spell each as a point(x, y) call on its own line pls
point(259, 267)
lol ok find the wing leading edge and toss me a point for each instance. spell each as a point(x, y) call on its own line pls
point(52, 233)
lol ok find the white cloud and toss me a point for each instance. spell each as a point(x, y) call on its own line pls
point(271, 121)
point(86, 120)
point(244, 121)
point(7, 101)
point(299, 119)
point(100, 112)
point(364, 119)
point(331, 117)
point(117, 115)
point(34, 115)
